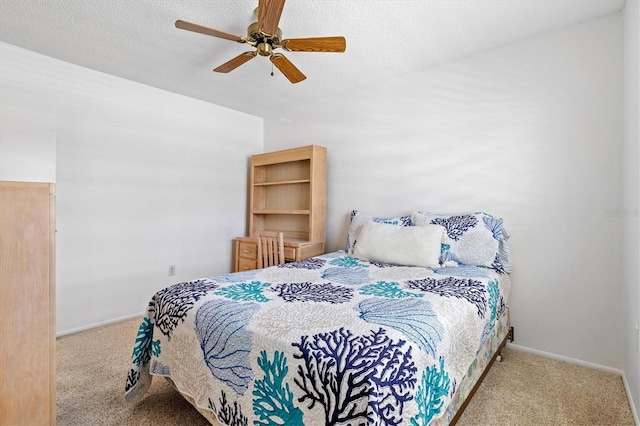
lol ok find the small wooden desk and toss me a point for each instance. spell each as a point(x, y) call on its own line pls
point(245, 255)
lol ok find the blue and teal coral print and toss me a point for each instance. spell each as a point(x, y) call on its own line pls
point(433, 387)
point(133, 377)
point(384, 265)
point(228, 414)
point(237, 277)
point(415, 318)
point(313, 292)
point(462, 288)
point(495, 303)
point(494, 297)
point(273, 401)
point(456, 225)
point(247, 292)
point(143, 349)
point(172, 304)
point(348, 262)
point(160, 369)
point(356, 379)
point(353, 276)
point(310, 263)
point(497, 265)
point(389, 289)
point(225, 341)
point(494, 225)
point(400, 221)
point(464, 271)
point(145, 346)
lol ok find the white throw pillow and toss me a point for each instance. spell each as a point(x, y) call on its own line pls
point(358, 219)
point(400, 245)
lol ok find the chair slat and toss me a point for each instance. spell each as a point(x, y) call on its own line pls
point(270, 248)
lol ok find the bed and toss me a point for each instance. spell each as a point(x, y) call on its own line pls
point(357, 336)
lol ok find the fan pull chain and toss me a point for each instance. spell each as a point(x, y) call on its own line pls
point(271, 69)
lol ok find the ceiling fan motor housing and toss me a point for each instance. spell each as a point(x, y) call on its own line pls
point(264, 42)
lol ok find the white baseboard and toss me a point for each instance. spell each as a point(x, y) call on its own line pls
point(619, 372)
point(565, 358)
point(633, 407)
point(97, 324)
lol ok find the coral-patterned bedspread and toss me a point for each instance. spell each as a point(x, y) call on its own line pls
point(330, 340)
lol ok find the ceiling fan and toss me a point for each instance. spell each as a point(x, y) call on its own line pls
point(265, 36)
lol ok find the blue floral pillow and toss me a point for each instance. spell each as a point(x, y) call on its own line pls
point(477, 239)
point(358, 220)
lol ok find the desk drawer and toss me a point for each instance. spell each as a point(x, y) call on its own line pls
point(248, 250)
point(289, 253)
point(246, 265)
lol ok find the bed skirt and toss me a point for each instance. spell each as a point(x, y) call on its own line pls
point(476, 372)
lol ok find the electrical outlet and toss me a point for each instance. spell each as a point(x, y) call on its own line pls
point(172, 270)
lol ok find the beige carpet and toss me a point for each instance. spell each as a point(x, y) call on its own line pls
point(524, 389)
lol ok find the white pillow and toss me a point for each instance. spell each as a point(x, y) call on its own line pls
point(400, 245)
point(358, 219)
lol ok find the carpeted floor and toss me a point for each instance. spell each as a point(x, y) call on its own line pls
point(524, 389)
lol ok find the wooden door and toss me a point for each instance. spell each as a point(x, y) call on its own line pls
point(27, 304)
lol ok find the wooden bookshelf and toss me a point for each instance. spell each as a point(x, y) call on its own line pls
point(287, 192)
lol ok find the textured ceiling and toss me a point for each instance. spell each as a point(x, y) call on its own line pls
point(386, 39)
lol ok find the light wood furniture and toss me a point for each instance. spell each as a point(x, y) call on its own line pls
point(287, 193)
point(270, 248)
point(27, 304)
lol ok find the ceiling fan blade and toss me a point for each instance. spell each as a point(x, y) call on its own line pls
point(197, 28)
point(287, 68)
point(236, 62)
point(269, 12)
point(315, 44)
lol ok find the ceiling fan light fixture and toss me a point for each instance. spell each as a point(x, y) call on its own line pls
point(265, 49)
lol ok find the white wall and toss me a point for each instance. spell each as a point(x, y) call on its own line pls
point(27, 134)
point(631, 194)
point(145, 179)
point(531, 132)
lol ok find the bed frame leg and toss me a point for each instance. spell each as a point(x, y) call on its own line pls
point(500, 358)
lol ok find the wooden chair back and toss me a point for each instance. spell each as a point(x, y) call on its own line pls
point(270, 248)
